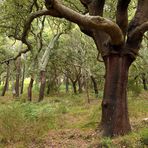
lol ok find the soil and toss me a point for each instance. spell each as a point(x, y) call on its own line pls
point(70, 138)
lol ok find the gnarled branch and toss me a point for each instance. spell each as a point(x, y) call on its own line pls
point(93, 22)
point(27, 25)
point(122, 15)
point(139, 30)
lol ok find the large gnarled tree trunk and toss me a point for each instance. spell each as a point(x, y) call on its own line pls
point(118, 44)
point(114, 106)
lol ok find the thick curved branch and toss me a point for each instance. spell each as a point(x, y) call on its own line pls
point(93, 8)
point(27, 24)
point(137, 27)
point(139, 30)
point(140, 15)
point(93, 22)
point(122, 15)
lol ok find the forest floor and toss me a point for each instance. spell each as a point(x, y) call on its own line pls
point(67, 121)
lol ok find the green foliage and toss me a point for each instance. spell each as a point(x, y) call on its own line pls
point(62, 108)
point(137, 108)
point(144, 136)
point(25, 121)
point(131, 140)
point(29, 123)
point(134, 88)
point(106, 143)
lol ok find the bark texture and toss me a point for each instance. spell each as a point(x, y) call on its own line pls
point(114, 106)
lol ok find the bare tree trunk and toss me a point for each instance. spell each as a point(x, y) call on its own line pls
point(7, 80)
point(18, 71)
point(67, 84)
point(87, 89)
point(13, 89)
point(115, 119)
point(48, 87)
point(30, 89)
point(80, 85)
point(42, 86)
point(95, 86)
point(23, 77)
point(144, 81)
point(74, 84)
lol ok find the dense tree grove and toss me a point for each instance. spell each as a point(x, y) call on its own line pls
point(83, 46)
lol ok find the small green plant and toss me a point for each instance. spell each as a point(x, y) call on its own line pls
point(62, 108)
point(144, 136)
point(134, 88)
point(106, 143)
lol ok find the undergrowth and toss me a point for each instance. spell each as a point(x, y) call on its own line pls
point(24, 123)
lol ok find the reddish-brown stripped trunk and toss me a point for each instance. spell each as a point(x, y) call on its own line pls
point(115, 119)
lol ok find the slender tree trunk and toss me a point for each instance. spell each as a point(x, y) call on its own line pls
point(23, 77)
point(18, 71)
point(115, 119)
point(30, 89)
point(144, 81)
point(67, 84)
point(42, 86)
point(48, 88)
point(7, 80)
point(74, 87)
point(80, 85)
point(87, 88)
point(13, 89)
point(95, 86)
